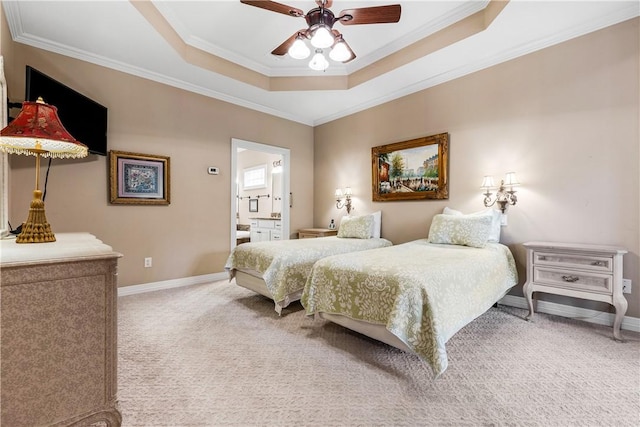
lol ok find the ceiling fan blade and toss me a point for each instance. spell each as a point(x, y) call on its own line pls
point(370, 15)
point(284, 47)
point(274, 7)
point(324, 3)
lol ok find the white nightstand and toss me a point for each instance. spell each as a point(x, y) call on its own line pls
point(591, 272)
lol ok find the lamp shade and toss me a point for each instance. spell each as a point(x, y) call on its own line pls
point(37, 131)
point(510, 179)
point(487, 182)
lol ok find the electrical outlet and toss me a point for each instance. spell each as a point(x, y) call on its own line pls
point(626, 286)
point(148, 262)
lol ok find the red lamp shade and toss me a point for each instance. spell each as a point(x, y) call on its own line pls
point(37, 130)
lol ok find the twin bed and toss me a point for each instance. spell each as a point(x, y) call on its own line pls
point(280, 269)
point(414, 296)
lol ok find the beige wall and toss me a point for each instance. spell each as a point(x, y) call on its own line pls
point(190, 236)
point(564, 118)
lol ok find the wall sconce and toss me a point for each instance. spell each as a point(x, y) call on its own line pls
point(277, 167)
point(503, 197)
point(343, 199)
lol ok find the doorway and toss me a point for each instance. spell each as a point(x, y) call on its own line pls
point(272, 197)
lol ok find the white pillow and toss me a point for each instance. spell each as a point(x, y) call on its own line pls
point(465, 230)
point(375, 225)
point(496, 217)
point(356, 227)
point(377, 222)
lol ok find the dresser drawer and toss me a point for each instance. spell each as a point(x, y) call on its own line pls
point(578, 280)
point(581, 261)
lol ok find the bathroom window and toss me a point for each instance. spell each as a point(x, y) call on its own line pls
point(255, 177)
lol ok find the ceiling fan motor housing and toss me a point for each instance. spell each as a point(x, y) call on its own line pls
point(318, 17)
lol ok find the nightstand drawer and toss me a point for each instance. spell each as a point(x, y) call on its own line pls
point(581, 261)
point(578, 280)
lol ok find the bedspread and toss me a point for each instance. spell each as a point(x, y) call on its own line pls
point(423, 293)
point(286, 264)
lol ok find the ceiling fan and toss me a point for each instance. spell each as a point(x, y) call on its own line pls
point(320, 31)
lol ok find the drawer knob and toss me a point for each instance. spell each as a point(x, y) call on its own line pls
point(570, 279)
point(542, 258)
point(598, 263)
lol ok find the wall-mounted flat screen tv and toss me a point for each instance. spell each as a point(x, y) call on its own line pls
point(83, 118)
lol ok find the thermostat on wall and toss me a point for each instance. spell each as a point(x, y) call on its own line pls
point(213, 170)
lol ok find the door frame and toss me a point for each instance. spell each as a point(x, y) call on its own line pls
point(286, 202)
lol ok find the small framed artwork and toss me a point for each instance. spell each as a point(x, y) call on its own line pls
point(411, 170)
point(138, 179)
point(253, 205)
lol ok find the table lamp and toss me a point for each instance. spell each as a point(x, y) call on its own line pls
point(37, 131)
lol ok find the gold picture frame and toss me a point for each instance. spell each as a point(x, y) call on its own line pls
point(139, 179)
point(411, 170)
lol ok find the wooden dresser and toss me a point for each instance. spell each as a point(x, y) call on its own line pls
point(58, 314)
point(592, 272)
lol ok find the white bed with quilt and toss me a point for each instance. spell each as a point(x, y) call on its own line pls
point(279, 269)
point(416, 295)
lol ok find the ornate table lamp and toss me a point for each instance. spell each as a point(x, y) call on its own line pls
point(37, 131)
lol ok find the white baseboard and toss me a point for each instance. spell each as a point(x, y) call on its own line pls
point(175, 283)
point(588, 315)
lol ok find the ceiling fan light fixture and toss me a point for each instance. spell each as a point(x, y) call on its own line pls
point(322, 37)
point(339, 52)
point(318, 62)
point(299, 49)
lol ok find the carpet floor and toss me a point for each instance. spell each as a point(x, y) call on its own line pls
point(219, 355)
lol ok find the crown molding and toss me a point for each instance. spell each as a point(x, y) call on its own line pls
point(12, 14)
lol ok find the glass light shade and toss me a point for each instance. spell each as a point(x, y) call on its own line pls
point(487, 182)
point(347, 191)
point(338, 193)
point(322, 38)
point(299, 49)
point(510, 179)
point(340, 53)
point(318, 62)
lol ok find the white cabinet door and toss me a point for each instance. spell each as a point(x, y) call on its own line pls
point(265, 229)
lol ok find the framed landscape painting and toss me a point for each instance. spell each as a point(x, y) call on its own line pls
point(138, 179)
point(411, 170)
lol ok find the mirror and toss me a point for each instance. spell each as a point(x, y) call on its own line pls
point(276, 187)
